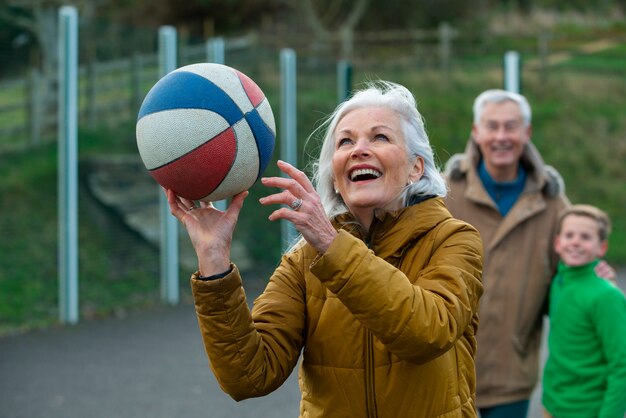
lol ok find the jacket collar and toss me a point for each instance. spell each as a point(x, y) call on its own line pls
point(392, 231)
point(530, 202)
point(567, 272)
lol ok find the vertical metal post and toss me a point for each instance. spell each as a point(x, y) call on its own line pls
point(344, 80)
point(67, 164)
point(288, 112)
point(445, 50)
point(512, 71)
point(169, 224)
point(215, 51)
point(289, 140)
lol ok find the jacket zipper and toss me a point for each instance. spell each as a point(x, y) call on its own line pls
point(370, 389)
point(370, 386)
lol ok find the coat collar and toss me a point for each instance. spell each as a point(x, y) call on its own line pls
point(531, 160)
point(392, 231)
point(530, 202)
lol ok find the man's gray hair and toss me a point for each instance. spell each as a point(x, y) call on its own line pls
point(500, 96)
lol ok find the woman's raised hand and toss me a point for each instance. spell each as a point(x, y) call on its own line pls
point(303, 206)
point(210, 230)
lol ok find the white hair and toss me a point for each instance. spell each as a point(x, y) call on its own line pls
point(399, 99)
point(500, 96)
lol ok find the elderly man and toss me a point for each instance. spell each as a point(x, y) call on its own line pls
point(501, 185)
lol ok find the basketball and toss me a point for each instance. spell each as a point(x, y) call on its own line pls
point(205, 131)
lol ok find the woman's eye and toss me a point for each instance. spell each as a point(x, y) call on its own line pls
point(343, 141)
point(381, 137)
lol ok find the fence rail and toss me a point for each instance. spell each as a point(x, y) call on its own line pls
point(110, 93)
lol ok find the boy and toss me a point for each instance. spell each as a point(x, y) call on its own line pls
point(585, 374)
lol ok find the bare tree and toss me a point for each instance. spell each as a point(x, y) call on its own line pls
point(40, 19)
point(330, 18)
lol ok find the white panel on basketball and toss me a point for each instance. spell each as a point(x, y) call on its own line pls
point(192, 127)
point(226, 79)
point(246, 165)
point(265, 111)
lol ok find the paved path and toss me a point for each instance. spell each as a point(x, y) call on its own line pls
point(148, 364)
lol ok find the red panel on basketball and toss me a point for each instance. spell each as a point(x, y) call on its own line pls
point(253, 91)
point(196, 174)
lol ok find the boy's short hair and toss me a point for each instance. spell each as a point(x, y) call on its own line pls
point(597, 214)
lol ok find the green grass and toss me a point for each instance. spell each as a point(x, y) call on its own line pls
point(612, 60)
point(578, 122)
point(117, 270)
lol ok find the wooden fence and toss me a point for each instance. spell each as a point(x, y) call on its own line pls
point(109, 93)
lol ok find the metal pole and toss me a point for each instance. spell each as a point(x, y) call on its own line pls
point(215, 51)
point(344, 80)
point(512, 71)
point(67, 165)
point(289, 145)
point(169, 224)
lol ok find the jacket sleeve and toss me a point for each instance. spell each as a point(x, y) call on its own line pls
point(417, 319)
point(250, 352)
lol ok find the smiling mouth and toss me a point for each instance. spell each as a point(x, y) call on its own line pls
point(363, 174)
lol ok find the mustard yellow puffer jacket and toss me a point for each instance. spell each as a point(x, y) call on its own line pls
point(386, 331)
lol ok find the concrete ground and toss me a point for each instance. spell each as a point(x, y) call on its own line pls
point(148, 364)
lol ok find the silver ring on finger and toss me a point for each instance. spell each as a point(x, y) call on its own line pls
point(295, 205)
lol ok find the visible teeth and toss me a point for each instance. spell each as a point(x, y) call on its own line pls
point(364, 172)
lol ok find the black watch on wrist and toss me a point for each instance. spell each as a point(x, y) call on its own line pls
point(215, 276)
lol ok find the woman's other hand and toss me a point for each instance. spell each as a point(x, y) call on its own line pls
point(303, 206)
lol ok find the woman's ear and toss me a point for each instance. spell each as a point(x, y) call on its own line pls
point(417, 170)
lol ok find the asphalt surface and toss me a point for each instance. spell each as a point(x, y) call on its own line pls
point(148, 364)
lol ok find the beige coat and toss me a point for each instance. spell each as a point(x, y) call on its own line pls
point(519, 262)
point(385, 331)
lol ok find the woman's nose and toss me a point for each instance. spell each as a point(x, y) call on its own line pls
point(361, 149)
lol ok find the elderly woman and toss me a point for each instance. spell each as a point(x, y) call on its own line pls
point(381, 293)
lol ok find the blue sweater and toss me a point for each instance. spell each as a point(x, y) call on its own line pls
point(503, 193)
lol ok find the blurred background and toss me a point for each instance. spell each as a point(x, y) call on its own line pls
point(573, 71)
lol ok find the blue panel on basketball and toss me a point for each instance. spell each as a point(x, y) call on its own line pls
point(189, 90)
point(206, 131)
point(264, 138)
